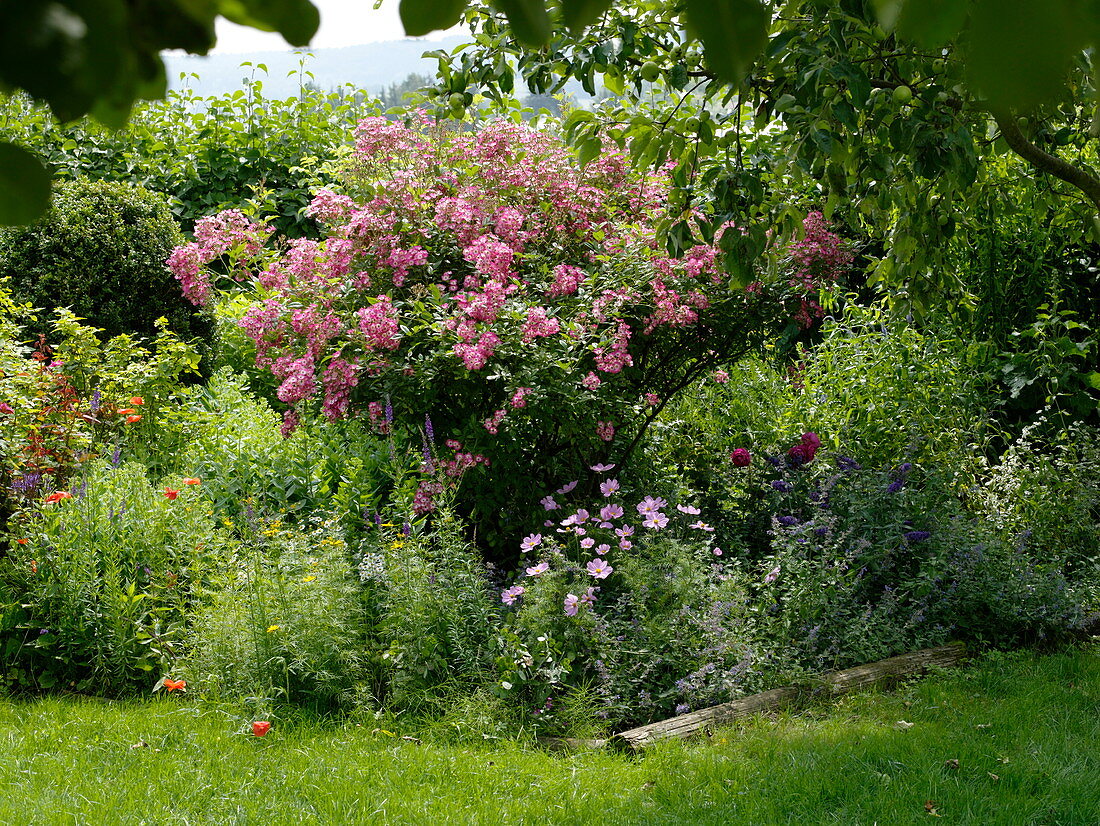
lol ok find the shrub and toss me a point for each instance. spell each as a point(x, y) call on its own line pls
point(487, 280)
point(203, 154)
point(235, 442)
point(100, 251)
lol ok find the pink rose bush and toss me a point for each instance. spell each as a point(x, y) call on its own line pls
point(524, 302)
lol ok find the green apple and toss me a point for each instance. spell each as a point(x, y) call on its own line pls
point(650, 71)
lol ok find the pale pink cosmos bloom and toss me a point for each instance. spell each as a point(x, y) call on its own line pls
point(609, 512)
point(579, 531)
point(625, 531)
point(571, 601)
point(509, 595)
point(588, 542)
point(566, 488)
point(599, 568)
point(773, 575)
point(650, 506)
point(541, 568)
point(588, 598)
point(548, 503)
point(609, 487)
point(530, 542)
point(717, 551)
point(701, 526)
point(688, 509)
point(601, 468)
point(603, 548)
point(721, 376)
point(655, 520)
point(626, 544)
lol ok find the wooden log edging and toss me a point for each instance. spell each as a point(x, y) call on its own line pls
point(832, 683)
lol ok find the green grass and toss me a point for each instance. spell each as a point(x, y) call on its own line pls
point(1025, 731)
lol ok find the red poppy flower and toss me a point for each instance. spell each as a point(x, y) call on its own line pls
point(171, 493)
point(260, 728)
point(58, 495)
point(174, 685)
point(137, 400)
point(132, 419)
point(191, 480)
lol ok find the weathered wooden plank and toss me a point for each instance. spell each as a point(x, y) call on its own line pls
point(830, 684)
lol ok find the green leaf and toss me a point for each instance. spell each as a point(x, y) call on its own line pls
point(419, 17)
point(296, 20)
point(1020, 50)
point(1092, 380)
point(615, 84)
point(24, 186)
point(578, 14)
point(588, 150)
point(733, 33)
point(931, 23)
point(528, 19)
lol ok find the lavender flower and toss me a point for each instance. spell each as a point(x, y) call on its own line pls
point(917, 536)
point(28, 482)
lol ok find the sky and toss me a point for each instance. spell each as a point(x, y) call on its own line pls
point(343, 23)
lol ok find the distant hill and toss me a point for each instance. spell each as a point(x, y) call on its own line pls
point(372, 66)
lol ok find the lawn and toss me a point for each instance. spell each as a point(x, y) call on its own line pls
point(1012, 739)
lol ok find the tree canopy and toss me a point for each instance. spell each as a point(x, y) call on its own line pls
point(100, 56)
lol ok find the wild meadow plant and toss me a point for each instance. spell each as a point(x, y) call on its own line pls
point(100, 581)
point(282, 620)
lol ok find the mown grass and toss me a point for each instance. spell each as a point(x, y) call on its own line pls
point(1024, 730)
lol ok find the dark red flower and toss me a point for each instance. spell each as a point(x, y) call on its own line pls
point(741, 457)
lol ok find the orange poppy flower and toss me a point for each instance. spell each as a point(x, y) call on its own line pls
point(22, 541)
point(174, 685)
point(191, 480)
point(34, 567)
point(132, 419)
point(124, 410)
point(171, 493)
point(261, 727)
point(58, 495)
point(137, 400)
